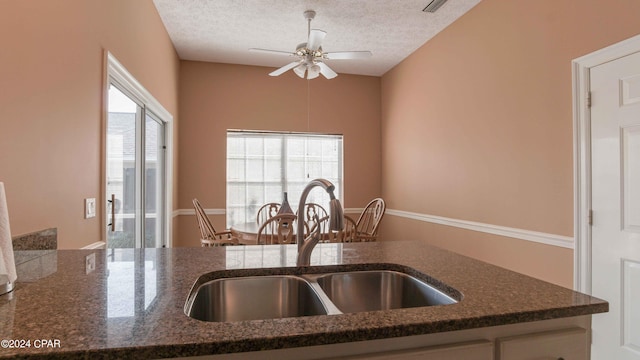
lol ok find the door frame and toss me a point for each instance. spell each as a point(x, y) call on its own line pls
point(582, 153)
point(116, 71)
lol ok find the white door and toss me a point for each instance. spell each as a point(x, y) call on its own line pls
point(135, 171)
point(615, 146)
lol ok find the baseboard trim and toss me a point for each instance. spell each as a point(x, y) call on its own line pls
point(528, 235)
point(95, 245)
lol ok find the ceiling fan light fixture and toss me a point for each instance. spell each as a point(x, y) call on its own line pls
point(300, 70)
point(313, 71)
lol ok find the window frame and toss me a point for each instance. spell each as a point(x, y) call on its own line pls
point(285, 180)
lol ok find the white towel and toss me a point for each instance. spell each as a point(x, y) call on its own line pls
point(7, 262)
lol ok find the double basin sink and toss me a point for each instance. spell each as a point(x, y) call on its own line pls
point(331, 291)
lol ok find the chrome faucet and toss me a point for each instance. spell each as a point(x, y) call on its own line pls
point(336, 220)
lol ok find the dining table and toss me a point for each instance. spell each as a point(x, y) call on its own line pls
point(246, 232)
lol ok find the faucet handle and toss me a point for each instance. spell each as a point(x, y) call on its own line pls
point(336, 217)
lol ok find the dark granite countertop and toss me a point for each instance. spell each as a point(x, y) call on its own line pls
point(132, 304)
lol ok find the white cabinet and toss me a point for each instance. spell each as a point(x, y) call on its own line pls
point(564, 338)
point(477, 350)
point(568, 344)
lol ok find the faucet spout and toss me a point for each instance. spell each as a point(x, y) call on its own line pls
point(336, 220)
point(304, 251)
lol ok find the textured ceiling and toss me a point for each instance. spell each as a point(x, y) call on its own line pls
point(223, 30)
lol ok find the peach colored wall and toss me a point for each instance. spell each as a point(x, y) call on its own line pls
point(51, 91)
point(546, 262)
point(482, 115)
point(217, 97)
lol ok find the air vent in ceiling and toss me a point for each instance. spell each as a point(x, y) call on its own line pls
point(434, 5)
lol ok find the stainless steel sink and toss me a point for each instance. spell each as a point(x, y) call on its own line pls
point(379, 290)
point(255, 298)
point(317, 293)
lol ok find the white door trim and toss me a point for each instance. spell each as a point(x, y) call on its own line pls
point(116, 71)
point(582, 153)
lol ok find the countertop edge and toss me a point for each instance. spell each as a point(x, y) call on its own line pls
point(337, 337)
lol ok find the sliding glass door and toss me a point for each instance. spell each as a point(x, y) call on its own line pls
point(154, 183)
point(135, 168)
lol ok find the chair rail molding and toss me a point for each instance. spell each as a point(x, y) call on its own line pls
point(192, 212)
point(535, 236)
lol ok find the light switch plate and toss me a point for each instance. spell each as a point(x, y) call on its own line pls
point(89, 208)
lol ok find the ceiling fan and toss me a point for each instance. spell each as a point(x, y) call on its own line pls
point(310, 56)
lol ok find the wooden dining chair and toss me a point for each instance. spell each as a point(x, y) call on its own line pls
point(278, 229)
point(311, 210)
point(208, 234)
point(266, 212)
point(347, 234)
point(369, 221)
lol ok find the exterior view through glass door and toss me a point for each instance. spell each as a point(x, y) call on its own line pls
point(135, 185)
point(153, 181)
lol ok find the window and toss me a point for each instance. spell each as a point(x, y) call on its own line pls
point(261, 166)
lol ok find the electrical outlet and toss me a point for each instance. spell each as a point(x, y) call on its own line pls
point(89, 208)
point(90, 263)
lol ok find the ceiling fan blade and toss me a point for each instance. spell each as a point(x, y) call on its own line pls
point(326, 71)
point(345, 55)
point(315, 39)
point(274, 52)
point(285, 68)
